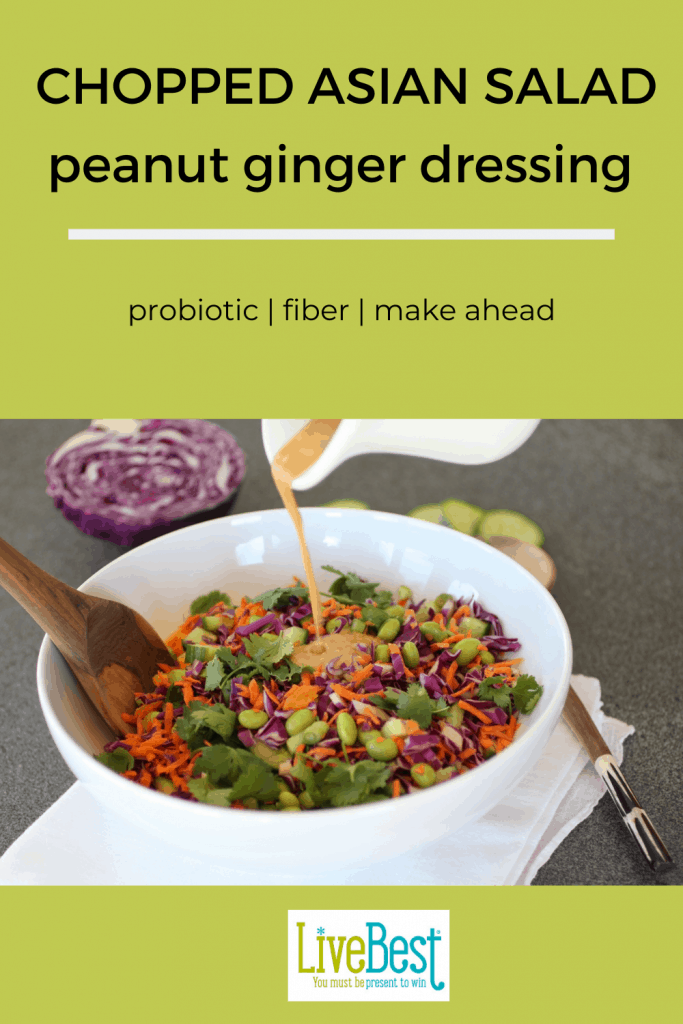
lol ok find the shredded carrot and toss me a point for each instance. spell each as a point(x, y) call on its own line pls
point(300, 696)
point(321, 752)
point(494, 730)
point(474, 711)
point(396, 788)
point(450, 673)
point(168, 717)
point(361, 675)
point(342, 691)
point(255, 695)
point(368, 713)
point(464, 754)
point(462, 611)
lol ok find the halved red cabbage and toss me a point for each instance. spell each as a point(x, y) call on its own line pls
point(129, 481)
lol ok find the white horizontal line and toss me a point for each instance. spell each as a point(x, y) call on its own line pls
point(341, 234)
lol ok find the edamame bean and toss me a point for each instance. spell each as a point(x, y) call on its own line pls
point(296, 634)
point(175, 676)
point(487, 658)
point(299, 721)
point(404, 594)
point(396, 612)
point(288, 799)
point(394, 727)
point(347, 730)
point(316, 732)
point(306, 801)
point(476, 626)
point(411, 655)
point(455, 716)
point(164, 785)
point(332, 625)
point(432, 631)
point(283, 809)
point(467, 649)
point(368, 736)
point(295, 741)
point(425, 611)
point(357, 626)
point(382, 748)
point(443, 774)
point(423, 775)
point(389, 630)
point(441, 600)
point(489, 752)
point(148, 721)
point(381, 652)
point(252, 719)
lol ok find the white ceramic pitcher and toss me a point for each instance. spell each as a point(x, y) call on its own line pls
point(467, 442)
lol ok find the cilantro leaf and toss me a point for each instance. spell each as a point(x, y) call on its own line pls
point(174, 695)
point(526, 694)
point(200, 605)
point(267, 649)
point(200, 789)
point(214, 674)
point(499, 694)
point(281, 597)
point(246, 774)
point(343, 785)
point(374, 615)
point(119, 760)
point(415, 703)
point(200, 722)
point(260, 664)
point(351, 589)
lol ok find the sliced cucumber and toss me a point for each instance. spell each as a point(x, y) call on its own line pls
point(461, 515)
point(345, 503)
point(431, 513)
point(501, 522)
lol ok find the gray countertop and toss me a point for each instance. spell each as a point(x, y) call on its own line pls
point(608, 495)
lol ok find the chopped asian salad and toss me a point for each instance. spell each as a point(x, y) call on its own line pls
point(405, 695)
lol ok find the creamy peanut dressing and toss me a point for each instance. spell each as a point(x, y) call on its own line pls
point(319, 652)
point(293, 459)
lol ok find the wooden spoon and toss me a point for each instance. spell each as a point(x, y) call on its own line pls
point(112, 651)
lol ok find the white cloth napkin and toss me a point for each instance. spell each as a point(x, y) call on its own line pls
point(76, 842)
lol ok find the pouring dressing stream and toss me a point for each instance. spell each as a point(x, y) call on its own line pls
point(293, 459)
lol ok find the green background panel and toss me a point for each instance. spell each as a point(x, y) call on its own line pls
point(523, 954)
point(611, 350)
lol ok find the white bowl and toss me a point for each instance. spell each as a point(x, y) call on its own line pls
point(247, 554)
